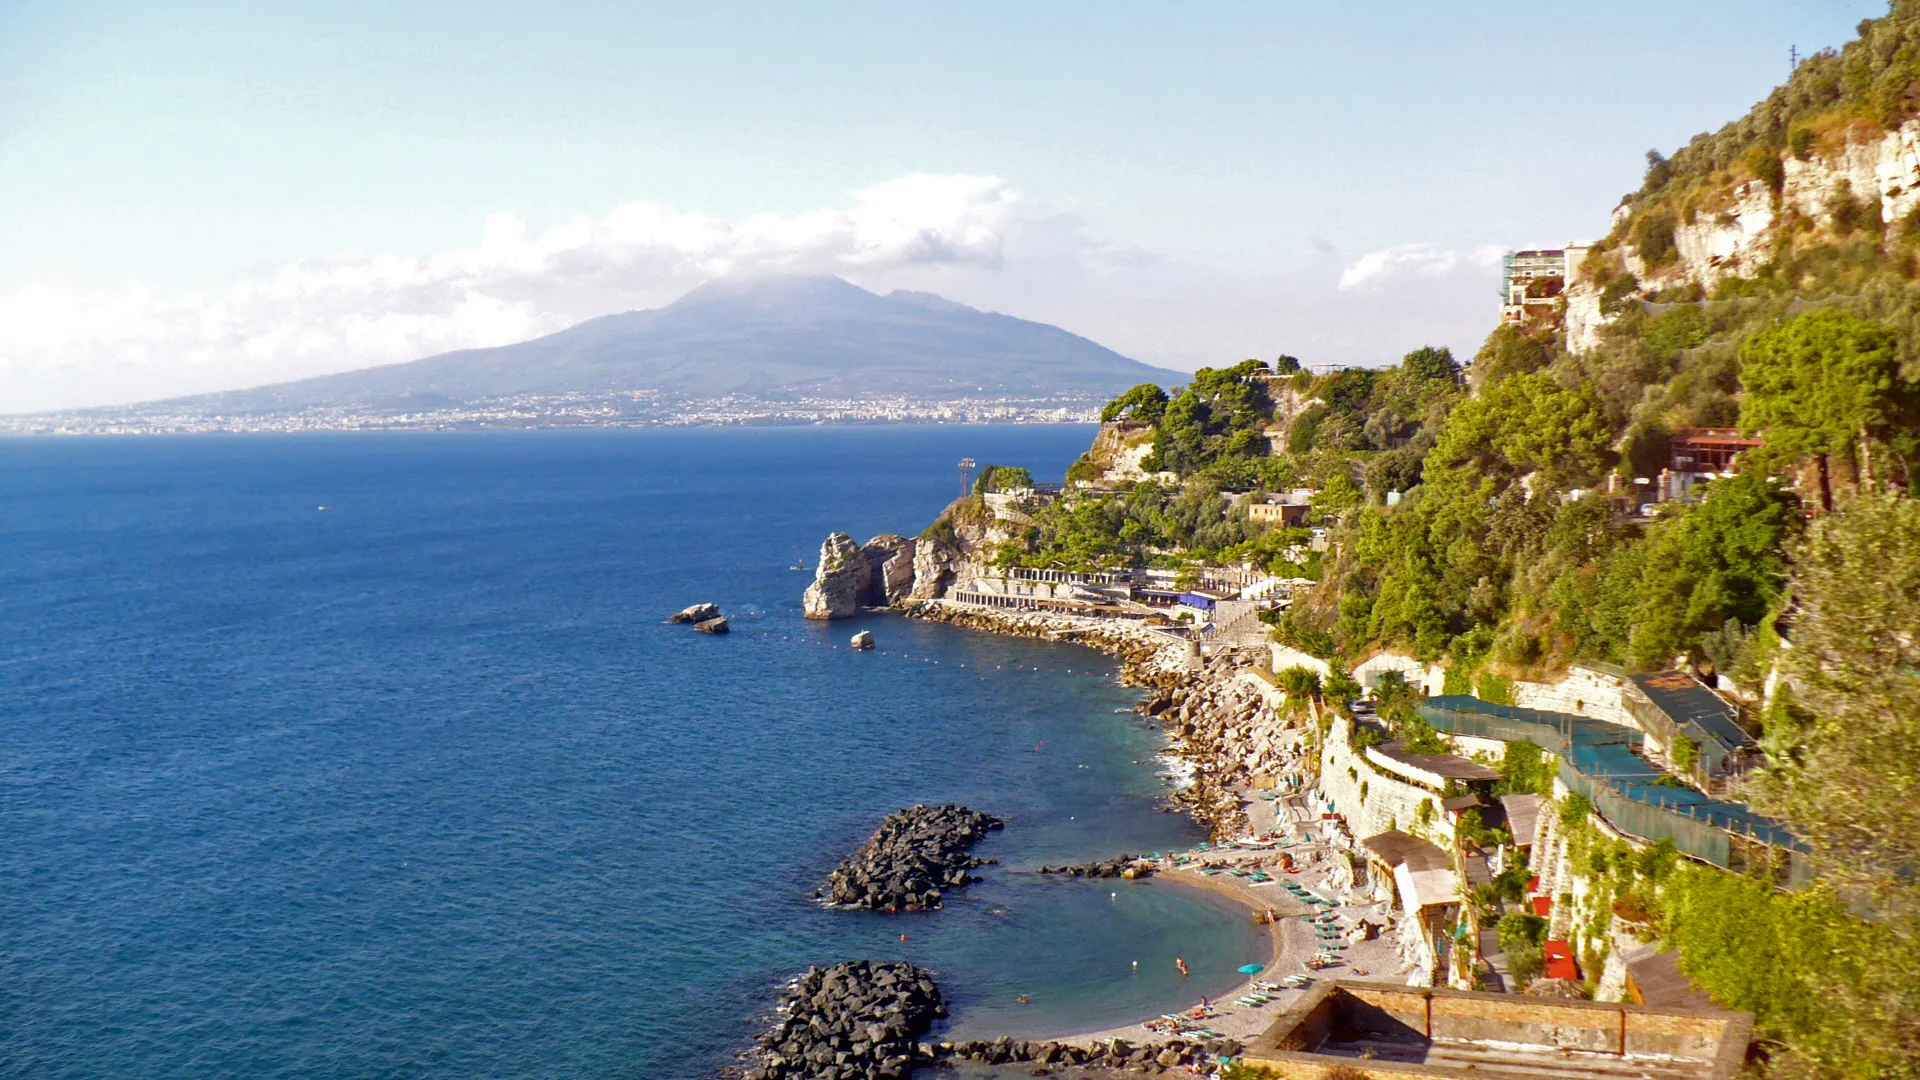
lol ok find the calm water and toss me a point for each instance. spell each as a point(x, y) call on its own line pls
point(422, 786)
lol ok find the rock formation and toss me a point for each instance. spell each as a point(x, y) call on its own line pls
point(696, 614)
point(914, 854)
point(863, 640)
point(853, 1021)
point(1124, 866)
point(862, 1021)
point(1193, 1053)
point(890, 561)
point(840, 581)
point(850, 576)
point(717, 625)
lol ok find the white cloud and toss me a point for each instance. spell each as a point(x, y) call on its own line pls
point(972, 238)
point(1415, 262)
point(60, 348)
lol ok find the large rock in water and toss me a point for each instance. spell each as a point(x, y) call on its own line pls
point(890, 559)
point(840, 582)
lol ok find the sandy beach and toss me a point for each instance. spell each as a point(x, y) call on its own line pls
point(1290, 937)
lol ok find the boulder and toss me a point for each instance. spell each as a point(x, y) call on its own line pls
point(695, 614)
point(840, 582)
point(712, 626)
point(863, 640)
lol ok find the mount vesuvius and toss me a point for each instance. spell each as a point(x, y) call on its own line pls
point(769, 338)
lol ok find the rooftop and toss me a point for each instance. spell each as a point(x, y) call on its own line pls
point(1686, 699)
point(1383, 1031)
point(1396, 848)
point(1433, 769)
point(1523, 816)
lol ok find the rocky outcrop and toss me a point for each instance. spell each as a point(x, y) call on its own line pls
point(1117, 455)
point(1734, 232)
point(933, 564)
point(914, 855)
point(863, 640)
point(862, 1021)
point(1124, 866)
point(852, 576)
point(698, 613)
point(853, 1021)
point(840, 582)
point(717, 625)
point(890, 569)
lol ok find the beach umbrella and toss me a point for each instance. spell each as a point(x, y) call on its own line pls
point(1248, 969)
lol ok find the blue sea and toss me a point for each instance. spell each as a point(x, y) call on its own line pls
point(421, 785)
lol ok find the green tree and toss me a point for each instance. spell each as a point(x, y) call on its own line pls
point(1222, 412)
point(1720, 560)
point(1002, 478)
point(1826, 384)
point(1300, 683)
point(1849, 777)
point(1431, 364)
point(1144, 402)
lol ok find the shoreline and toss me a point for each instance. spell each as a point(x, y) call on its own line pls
point(1164, 668)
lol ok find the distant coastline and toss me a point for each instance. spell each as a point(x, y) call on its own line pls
point(573, 411)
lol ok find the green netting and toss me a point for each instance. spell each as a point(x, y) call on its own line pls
point(1600, 761)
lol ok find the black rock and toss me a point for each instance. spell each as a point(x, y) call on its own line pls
point(913, 853)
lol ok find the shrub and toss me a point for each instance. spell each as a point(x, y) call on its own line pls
point(1767, 166)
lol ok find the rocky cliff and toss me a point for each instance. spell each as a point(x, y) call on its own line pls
point(1853, 184)
point(889, 570)
point(851, 576)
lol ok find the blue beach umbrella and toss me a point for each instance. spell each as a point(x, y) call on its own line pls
point(1248, 969)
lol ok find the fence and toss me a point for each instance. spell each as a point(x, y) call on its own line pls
point(1600, 761)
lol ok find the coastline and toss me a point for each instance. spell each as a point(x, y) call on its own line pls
point(1183, 693)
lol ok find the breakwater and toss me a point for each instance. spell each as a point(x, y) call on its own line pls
point(853, 1021)
point(1121, 866)
point(914, 855)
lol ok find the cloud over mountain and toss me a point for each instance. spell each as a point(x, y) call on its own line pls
point(974, 238)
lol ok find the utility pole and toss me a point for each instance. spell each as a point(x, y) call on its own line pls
point(966, 476)
point(1793, 57)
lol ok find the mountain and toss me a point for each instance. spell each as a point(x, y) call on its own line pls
point(770, 338)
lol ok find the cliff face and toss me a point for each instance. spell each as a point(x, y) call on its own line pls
point(1115, 458)
point(851, 576)
point(889, 569)
point(1862, 180)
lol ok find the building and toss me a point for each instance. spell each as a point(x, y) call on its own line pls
point(1378, 1031)
point(1671, 705)
point(1419, 877)
point(1288, 509)
point(1701, 454)
point(1531, 282)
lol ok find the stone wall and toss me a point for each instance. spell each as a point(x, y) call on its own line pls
point(1284, 658)
point(1389, 802)
point(1583, 692)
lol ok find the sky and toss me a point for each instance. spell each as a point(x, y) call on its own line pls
point(205, 196)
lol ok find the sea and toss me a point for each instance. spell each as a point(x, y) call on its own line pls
point(370, 755)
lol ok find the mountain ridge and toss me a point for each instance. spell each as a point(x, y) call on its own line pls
point(776, 338)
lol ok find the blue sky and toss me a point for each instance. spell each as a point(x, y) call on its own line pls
point(195, 196)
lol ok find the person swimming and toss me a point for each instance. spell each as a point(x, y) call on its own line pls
point(1182, 965)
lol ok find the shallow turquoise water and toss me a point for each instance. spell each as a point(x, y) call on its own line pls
point(421, 785)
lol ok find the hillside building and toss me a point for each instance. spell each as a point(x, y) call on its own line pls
point(1289, 509)
point(1530, 283)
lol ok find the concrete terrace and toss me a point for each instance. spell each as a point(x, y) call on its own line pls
point(1386, 1032)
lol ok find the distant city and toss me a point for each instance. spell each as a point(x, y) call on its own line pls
point(622, 409)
